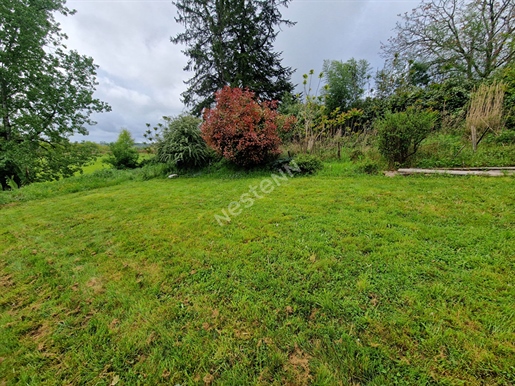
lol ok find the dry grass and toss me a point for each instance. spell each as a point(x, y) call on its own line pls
point(485, 111)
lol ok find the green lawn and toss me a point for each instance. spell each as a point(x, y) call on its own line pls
point(356, 280)
point(100, 164)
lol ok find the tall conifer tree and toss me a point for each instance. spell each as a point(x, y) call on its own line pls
point(230, 43)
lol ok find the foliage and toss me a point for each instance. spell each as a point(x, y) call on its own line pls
point(153, 170)
point(316, 125)
point(505, 138)
point(485, 111)
point(346, 83)
point(402, 74)
point(340, 123)
point(456, 38)
point(450, 98)
point(307, 163)
point(507, 76)
point(400, 134)
point(368, 167)
point(311, 112)
point(152, 136)
point(181, 143)
point(47, 162)
point(231, 43)
point(46, 93)
point(123, 154)
point(242, 129)
point(442, 150)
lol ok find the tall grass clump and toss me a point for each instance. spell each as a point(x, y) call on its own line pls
point(181, 144)
point(486, 111)
point(80, 183)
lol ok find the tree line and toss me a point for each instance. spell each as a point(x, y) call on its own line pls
point(439, 54)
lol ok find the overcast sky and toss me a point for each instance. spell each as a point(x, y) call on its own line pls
point(141, 72)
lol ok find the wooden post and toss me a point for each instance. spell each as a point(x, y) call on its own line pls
point(474, 137)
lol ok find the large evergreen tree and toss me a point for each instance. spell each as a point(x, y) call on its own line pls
point(46, 93)
point(230, 43)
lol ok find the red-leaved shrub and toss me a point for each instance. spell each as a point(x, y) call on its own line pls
point(242, 129)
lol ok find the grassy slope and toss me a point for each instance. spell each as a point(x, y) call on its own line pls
point(100, 164)
point(353, 280)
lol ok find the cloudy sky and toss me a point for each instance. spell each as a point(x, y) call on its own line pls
point(141, 73)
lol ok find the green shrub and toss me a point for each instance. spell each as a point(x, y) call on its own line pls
point(181, 144)
point(307, 163)
point(400, 134)
point(153, 170)
point(368, 167)
point(508, 78)
point(356, 155)
point(506, 137)
point(123, 154)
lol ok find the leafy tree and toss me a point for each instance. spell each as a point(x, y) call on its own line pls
point(181, 144)
point(449, 97)
point(44, 162)
point(469, 39)
point(123, 153)
point(46, 93)
point(398, 74)
point(346, 83)
point(230, 43)
point(241, 129)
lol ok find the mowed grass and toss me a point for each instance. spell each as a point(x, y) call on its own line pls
point(328, 280)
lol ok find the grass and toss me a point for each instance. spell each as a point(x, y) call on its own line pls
point(327, 280)
point(100, 163)
point(444, 150)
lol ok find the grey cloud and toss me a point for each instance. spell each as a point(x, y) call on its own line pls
point(141, 73)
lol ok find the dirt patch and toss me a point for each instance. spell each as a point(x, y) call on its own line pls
point(114, 324)
point(6, 281)
point(208, 379)
point(96, 285)
point(298, 361)
point(40, 335)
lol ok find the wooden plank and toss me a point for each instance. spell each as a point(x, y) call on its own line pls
point(482, 168)
point(491, 172)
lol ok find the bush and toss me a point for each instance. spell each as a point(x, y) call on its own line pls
point(506, 137)
point(307, 163)
point(356, 155)
point(241, 129)
point(368, 167)
point(123, 153)
point(508, 78)
point(151, 171)
point(400, 134)
point(181, 144)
